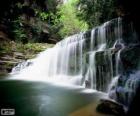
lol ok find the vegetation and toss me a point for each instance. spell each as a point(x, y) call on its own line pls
point(44, 20)
point(79, 15)
point(27, 20)
point(95, 12)
point(68, 21)
point(29, 48)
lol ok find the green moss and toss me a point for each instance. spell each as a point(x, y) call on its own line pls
point(29, 48)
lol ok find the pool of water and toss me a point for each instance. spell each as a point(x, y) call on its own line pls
point(29, 98)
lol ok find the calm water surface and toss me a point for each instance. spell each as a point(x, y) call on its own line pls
point(30, 98)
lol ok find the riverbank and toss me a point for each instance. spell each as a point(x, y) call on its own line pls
point(12, 53)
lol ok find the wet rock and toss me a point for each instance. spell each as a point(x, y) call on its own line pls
point(130, 58)
point(6, 66)
point(87, 84)
point(110, 107)
point(8, 61)
point(133, 109)
point(129, 78)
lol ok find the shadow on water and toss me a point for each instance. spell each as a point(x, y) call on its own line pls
point(30, 98)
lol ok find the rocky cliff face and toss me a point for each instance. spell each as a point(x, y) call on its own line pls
point(120, 61)
point(128, 82)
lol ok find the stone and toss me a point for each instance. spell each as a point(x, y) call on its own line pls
point(110, 107)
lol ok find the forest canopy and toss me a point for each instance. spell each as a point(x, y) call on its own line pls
point(51, 20)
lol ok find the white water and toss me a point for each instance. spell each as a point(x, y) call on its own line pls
point(66, 62)
point(54, 64)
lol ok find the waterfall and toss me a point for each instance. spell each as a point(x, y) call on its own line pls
point(82, 59)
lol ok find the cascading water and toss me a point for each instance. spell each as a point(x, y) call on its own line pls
point(82, 59)
point(58, 63)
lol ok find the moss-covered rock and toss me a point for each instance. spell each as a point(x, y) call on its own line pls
point(12, 53)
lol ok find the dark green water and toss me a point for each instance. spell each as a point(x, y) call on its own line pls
point(43, 99)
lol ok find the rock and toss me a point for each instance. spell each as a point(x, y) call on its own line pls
point(87, 84)
point(8, 61)
point(6, 66)
point(107, 106)
point(19, 55)
point(129, 77)
point(133, 109)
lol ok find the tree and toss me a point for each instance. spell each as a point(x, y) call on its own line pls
point(26, 20)
point(95, 12)
point(68, 21)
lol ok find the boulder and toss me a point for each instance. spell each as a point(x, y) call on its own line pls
point(110, 107)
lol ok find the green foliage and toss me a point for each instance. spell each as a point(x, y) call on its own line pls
point(30, 20)
point(42, 15)
point(18, 31)
point(20, 34)
point(68, 22)
point(95, 12)
point(49, 17)
point(9, 47)
point(32, 47)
